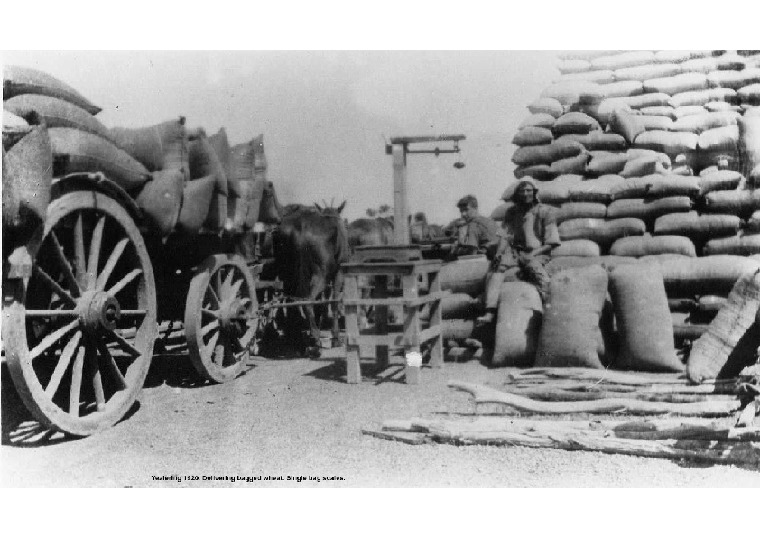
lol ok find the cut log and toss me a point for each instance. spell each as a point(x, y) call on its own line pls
point(731, 388)
point(606, 375)
point(740, 453)
point(654, 429)
point(553, 394)
point(483, 394)
point(713, 443)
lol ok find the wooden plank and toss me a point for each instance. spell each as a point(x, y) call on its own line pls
point(411, 327)
point(386, 253)
point(415, 439)
point(427, 334)
point(436, 319)
point(423, 266)
point(397, 301)
point(425, 139)
point(381, 324)
point(376, 268)
point(393, 340)
point(353, 367)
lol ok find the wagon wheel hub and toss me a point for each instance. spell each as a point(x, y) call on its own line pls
point(232, 316)
point(98, 309)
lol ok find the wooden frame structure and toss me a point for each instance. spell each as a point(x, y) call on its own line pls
point(410, 335)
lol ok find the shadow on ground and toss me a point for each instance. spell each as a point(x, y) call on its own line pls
point(21, 429)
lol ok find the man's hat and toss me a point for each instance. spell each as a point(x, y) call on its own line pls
point(526, 181)
point(510, 191)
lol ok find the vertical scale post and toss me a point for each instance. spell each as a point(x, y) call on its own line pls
point(400, 206)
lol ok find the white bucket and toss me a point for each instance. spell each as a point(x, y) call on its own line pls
point(414, 359)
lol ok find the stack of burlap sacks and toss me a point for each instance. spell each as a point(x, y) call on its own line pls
point(183, 180)
point(650, 158)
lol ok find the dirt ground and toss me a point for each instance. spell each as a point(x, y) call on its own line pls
point(298, 418)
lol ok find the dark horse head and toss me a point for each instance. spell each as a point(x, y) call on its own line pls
point(309, 246)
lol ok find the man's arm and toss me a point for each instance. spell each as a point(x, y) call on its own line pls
point(545, 249)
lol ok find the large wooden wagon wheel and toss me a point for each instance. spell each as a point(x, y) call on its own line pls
point(219, 317)
point(79, 335)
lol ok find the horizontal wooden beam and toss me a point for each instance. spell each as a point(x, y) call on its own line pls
point(396, 301)
point(426, 139)
point(401, 269)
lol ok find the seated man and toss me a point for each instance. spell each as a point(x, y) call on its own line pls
point(475, 234)
point(529, 233)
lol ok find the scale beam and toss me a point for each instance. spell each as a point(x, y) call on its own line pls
point(399, 149)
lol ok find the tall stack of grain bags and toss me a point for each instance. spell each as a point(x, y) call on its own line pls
point(651, 158)
point(182, 180)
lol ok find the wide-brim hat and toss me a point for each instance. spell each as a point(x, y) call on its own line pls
point(510, 191)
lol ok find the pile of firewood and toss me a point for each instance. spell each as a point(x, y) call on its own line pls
point(710, 422)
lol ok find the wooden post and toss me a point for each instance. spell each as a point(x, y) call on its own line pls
point(381, 321)
point(400, 207)
point(436, 351)
point(353, 366)
point(411, 326)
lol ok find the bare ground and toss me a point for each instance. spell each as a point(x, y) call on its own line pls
point(298, 417)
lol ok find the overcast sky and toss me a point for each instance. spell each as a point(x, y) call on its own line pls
point(324, 115)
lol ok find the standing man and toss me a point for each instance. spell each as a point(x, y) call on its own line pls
point(476, 234)
point(529, 234)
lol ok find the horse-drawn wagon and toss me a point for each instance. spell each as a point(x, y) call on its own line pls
point(100, 247)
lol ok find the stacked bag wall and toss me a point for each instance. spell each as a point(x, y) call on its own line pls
point(671, 145)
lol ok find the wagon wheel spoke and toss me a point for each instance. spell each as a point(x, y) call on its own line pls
point(227, 285)
point(95, 244)
point(68, 272)
point(210, 348)
point(79, 257)
point(206, 330)
point(126, 280)
point(63, 364)
point(52, 338)
point(214, 295)
point(218, 281)
point(110, 364)
point(51, 313)
point(235, 288)
point(246, 339)
point(124, 345)
point(52, 284)
point(100, 284)
point(94, 374)
point(76, 382)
